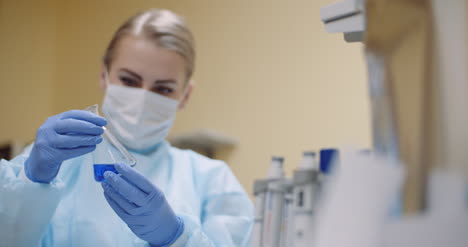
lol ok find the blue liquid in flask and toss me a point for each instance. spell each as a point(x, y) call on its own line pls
point(99, 170)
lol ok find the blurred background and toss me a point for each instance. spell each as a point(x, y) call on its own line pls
point(267, 74)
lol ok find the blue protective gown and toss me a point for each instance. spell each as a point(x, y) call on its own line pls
point(72, 210)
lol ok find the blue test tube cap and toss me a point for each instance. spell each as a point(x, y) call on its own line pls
point(327, 159)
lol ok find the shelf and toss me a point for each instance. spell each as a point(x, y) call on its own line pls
point(207, 140)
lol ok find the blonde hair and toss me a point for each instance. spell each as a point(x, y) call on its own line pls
point(165, 28)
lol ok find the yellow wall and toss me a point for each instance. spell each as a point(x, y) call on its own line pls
point(267, 73)
point(27, 66)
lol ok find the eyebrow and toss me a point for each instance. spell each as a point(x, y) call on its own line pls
point(132, 73)
point(163, 81)
point(166, 81)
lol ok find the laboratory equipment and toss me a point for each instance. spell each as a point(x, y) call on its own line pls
point(260, 188)
point(306, 185)
point(260, 192)
point(347, 17)
point(355, 203)
point(274, 212)
point(276, 169)
point(417, 55)
point(444, 223)
point(286, 209)
point(109, 152)
point(287, 228)
point(328, 158)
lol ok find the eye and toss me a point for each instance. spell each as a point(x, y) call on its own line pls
point(129, 82)
point(163, 90)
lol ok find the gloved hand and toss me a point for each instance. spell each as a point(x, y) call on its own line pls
point(61, 137)
point(142, 206)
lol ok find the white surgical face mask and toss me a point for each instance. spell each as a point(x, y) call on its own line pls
point(140, 119)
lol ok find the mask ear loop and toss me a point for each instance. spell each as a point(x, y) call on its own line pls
point(106, 77)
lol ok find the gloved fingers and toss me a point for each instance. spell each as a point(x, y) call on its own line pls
point(85, 116)
point(122, 202)
point(128, 219)
point(126, 189)
point(75, 152)
point(76, 126)
point(135, 177)
point(74, 141)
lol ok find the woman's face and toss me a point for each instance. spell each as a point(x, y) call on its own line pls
point(142, 64)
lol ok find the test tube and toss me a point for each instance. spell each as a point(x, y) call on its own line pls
point(109, 152)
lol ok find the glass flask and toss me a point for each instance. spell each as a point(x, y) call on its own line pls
point(109, 152)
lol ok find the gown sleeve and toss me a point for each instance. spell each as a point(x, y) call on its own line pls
point(227, 211)
point(26, 207)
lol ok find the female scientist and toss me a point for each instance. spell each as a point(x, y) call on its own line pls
point(173, 197)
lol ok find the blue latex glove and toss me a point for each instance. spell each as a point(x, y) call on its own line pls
point(142, 206)
point(61, 137)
